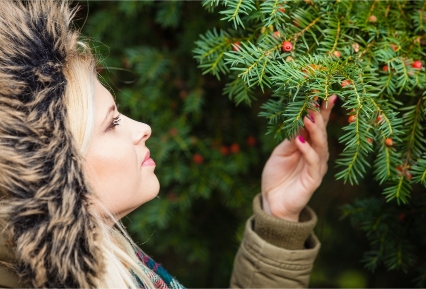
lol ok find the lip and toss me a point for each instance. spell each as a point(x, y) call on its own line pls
point(147, 161)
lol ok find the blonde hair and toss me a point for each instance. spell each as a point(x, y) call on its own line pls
point(117, 247)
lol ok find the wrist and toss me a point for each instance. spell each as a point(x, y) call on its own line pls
point(280, 213)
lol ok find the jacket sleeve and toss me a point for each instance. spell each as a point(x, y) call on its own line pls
point(275, 252)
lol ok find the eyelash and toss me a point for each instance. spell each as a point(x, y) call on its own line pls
point(115, 122)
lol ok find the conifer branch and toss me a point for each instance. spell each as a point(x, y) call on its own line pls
point(388, 83)
point(260, 62)
point(252, 58)
point(399, 191)
point(236, 11)
point(369, 45)
point(297, 35)
point(275, 10)
point(210, 4)
point(237, 7)
point(336, 39)
point(419, 171)
point(210, 52)
point(218, 47)
point(385, 121)
point(295, 121)
point(384, 163)
point(239, 91)
point(414, 135)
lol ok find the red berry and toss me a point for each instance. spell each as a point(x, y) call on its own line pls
point(172, 197)
point(173, 131)
point(389, 142)
point(417, 64)
point(276, 34)
point(372, 19)
point(235, 148)
point(336, 53)
point(379, 118)
point(281, 9)
point(236, 46)
point(198, 158)
point(183, 94)
point(345, 82)
point(287, 46)
point(224, 150)
point(385, 68)
point(393, 46)
point(369, 140)
point(351, 118)
point(251, 141)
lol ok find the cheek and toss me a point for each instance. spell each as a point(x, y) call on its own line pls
point(113, 172)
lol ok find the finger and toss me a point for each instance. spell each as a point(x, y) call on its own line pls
point(304, 133)
point(322, 115)
point(321, 118)
point(318, 135)
point(311, 157)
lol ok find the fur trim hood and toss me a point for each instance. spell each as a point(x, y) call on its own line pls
point(43, 193)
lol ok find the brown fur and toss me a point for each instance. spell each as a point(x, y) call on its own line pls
point(44, 206)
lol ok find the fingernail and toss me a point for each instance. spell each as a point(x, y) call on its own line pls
point(302, 140)
point(316, 105)
point(312, 118)
point(335, 100)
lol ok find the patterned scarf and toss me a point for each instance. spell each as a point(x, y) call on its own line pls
point(158, 275)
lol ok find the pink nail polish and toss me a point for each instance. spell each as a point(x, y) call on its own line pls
point(302, 140)
point(335, 100)
point(312, 118)
point(316, 105)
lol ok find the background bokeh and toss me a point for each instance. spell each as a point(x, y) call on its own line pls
point(209, 151)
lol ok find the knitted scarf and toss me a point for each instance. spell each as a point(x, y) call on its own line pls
point(157, 274)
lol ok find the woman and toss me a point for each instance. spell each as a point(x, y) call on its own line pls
point(72, 166)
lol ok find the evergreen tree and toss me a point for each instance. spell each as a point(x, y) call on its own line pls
point(369, 53)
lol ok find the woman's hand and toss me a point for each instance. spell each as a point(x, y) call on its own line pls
point(296, 168)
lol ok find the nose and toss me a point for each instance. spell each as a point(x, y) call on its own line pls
point(141, 132)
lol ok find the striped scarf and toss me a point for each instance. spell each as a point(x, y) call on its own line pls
point(158, 275)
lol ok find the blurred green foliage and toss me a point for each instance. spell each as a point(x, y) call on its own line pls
point(209, 151)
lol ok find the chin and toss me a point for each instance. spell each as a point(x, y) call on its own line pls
point(154, 189)
point(148, 195)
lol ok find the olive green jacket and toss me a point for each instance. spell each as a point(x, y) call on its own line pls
point(273, 253)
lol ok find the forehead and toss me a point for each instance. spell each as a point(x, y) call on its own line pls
point(103, 98)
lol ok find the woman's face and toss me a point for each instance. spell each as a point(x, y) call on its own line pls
point(117, 161)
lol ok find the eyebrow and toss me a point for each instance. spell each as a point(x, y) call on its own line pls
point(110, 109)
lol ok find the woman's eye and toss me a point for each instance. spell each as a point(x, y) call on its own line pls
point(114, 123)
